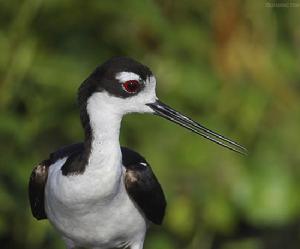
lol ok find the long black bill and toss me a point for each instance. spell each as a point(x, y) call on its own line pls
point(167, 112)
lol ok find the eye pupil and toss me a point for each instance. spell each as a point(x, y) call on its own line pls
point(131, 86)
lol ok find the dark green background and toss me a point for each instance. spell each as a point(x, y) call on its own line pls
point(232, 65)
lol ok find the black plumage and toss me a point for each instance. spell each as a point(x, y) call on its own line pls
point(140, 181)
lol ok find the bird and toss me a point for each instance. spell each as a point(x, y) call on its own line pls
point(98, 194)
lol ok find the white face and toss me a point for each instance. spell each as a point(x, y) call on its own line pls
point(123, 105)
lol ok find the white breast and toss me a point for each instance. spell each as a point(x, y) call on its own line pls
point(93, 209)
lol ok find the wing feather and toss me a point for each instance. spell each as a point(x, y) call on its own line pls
point(38, 179)
point(143, 186)
point(37, 184)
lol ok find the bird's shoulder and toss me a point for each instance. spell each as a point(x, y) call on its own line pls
point(143, 186)
point(66, 151)
point(140, 181)
point(39, 175)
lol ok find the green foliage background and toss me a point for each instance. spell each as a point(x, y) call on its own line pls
point(232, 65)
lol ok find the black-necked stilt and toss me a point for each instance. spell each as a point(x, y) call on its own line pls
point(98, 194)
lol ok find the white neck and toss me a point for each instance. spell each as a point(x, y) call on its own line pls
point(105, 125)
point(105, 129)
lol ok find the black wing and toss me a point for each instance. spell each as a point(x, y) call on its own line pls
point(37, 184)
point(38, 179)
point(143, 187)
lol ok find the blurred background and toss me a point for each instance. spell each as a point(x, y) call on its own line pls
point(232, 65)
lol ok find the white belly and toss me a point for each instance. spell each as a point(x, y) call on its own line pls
point(93, 212)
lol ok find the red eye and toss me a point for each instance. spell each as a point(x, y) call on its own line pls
point(131, 86)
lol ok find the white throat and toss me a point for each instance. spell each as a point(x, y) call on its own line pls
point(105, 124)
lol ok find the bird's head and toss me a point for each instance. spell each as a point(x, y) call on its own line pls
point(122, 85)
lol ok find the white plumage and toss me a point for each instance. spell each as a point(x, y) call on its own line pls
point(102, 216)
point(93, 209)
